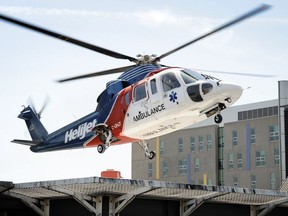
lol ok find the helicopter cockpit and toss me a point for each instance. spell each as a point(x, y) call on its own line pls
point(190, 76)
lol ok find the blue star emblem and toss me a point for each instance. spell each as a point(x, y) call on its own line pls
point(173, 97)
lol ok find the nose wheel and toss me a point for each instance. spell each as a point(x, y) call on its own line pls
point(218, 118)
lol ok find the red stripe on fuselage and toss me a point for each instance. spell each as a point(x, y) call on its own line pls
point(116, 118)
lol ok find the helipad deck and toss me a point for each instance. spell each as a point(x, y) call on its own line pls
point(103, 196)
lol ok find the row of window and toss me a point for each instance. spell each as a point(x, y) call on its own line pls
point(253, 182)
point(169, 81)
point(258, 113)
point(201, 144)
point(183, 171)
point(273, 135)
point(260, 159)
point(182, 167)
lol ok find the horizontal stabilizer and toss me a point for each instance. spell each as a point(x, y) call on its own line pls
point(26, 142)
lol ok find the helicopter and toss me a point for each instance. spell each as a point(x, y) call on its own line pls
point(147, 100)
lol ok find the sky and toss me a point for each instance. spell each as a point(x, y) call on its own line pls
point(30, 63)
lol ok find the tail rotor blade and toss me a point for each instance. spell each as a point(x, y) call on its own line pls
point(46, 102)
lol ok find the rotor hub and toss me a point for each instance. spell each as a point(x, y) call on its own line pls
point(146, 59)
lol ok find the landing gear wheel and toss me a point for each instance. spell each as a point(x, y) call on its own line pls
point(152, 155)
point(218, 118)
point(101, 148)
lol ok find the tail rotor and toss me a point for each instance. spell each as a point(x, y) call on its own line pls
point(32, 105)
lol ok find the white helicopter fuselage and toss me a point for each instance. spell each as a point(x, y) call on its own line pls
point(174, 99)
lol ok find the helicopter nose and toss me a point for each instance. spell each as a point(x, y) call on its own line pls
point(229, 91)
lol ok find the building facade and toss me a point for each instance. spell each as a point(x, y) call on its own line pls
point(243, 151)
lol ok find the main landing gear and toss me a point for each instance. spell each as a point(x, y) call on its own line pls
point(148, 153)
point(105, 135)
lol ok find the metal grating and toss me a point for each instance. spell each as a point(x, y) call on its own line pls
point(95, 186)
point(38, 193)
point(4, 186)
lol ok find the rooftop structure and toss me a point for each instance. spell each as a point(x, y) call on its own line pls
point(104, 196)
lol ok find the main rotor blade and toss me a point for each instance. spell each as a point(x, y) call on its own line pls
point(243, 17)
point(100, 73)
point(67, 39)
point(234, 73)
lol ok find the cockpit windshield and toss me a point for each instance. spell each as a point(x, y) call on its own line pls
point(190, 76)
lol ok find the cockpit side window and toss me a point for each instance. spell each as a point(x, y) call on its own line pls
point(140, 92)
point(187, 78)
point(169, 82)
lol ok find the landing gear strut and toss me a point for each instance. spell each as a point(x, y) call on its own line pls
point(218, 117)
point(105, 135)
point(148, 153)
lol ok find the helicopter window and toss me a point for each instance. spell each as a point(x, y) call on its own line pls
point(140, 92)
point(153, 86)
point(195, 75)
point(187, 78)
point(169, 82)
point(206, 88)
point(127, 98)
point(194, 93)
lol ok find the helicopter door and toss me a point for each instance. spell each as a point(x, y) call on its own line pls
point(170, 87)
point(140, 103)
point(155, 99)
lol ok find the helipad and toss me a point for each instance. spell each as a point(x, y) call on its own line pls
point(103, 196)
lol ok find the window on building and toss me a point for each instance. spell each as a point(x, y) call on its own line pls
point(209, 182)
point(259, 113)
point(197, 164)
point(182, 167)
point(150, 170)
point(252, 136)
point(272, 181)
point(201, 143)
point(192, 143)
point(165, 169)
point(260, 158)
point(275, 110)
point(140, 92)
point(209, 142)
point(250, 114)
point(220, 164)
point(234, 138)
point(153, 86)
point(253, 181)
point(230, 161)
point(169, 82)
point(221, 137)
point(161, 147)
point(180, 145)
point(254, 113)
point(239, 161)
point(235, 181)
point(276, 156)
point(273, 133)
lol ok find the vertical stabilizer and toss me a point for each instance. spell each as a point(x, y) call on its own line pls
point(34, 125)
